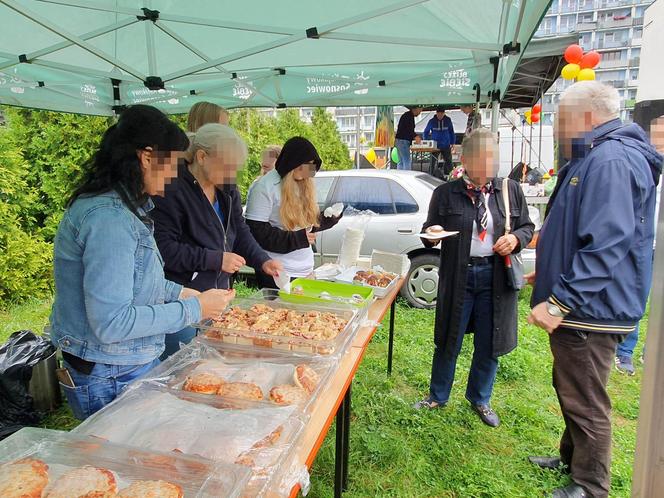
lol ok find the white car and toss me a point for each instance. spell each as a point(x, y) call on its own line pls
point(400, 200)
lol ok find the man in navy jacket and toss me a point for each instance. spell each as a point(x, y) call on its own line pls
point(440, 129)
point(593, 273)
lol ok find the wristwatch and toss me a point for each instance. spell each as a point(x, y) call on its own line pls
point(554, 310)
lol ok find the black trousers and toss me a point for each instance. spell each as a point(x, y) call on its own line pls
point(448, 165)
point(582, 362)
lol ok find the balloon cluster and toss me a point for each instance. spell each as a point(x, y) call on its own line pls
point(532, 115)
point(580, 66)
point(378, 161)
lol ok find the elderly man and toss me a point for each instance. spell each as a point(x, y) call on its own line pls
point(594, 267)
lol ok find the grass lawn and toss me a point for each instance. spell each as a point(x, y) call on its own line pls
point(398, 452)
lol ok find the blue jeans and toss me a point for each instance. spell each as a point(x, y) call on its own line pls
point(172, 341)
point(103, 385)
point(403, 147)
point(626, 348)
point(478, 304)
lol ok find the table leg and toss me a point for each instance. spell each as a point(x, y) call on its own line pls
point(347, 402)
point(339, 450)
point(393, 309)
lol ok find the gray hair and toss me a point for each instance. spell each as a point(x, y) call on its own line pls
point(601, 99)
point(218, 138)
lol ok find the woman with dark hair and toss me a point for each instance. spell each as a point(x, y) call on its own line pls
point(113, 305)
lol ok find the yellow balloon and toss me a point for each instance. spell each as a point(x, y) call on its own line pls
point(528, 113)
point(570, 71)
point(371, 156)
point(586, 74)
point(529, 120)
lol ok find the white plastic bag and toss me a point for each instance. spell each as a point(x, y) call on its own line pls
point(354, 236)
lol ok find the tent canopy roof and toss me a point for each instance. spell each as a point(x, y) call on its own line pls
point(88, 56)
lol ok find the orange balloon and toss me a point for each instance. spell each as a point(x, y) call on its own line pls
point(590, 60)
point(537, 108)
point(573, 54)
point(534, 118)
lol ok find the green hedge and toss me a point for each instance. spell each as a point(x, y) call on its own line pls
point(41, 154)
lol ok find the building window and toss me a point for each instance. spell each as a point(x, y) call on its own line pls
point(638, 33)
point(585, 5)
point(634, 74)
point(567, 24)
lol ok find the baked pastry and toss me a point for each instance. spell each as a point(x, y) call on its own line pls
point(243, 390)
point(288, 395)
point(374, 278)
point(247, 458)
point(24, 478)
point(278, 321)
point(306, 378)
point(151, 489)
point(84, 482)
point(204, 383)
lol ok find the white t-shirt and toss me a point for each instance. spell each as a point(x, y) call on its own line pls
point(479, 248)
point(263, 204)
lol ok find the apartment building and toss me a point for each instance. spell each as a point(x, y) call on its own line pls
point(612, 27)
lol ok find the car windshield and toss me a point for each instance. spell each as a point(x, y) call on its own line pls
point(432, 181)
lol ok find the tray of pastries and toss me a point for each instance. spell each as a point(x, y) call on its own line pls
point(228, 376)
point(154, 418)
point(43, 463)
point(285, 326)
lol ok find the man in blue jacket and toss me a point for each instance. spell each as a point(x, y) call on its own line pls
point(593, 273)
point(440, 129)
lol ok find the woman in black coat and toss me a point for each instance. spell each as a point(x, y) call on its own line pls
point(199, 227)
point(472, 293)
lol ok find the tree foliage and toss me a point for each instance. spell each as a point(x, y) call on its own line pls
point(41, 158)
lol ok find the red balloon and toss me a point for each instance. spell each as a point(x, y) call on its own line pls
point(537, 108)
point(534, 118)
point(573, 54)
point(590, 60)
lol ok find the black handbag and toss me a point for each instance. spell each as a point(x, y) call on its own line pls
point(513, 262)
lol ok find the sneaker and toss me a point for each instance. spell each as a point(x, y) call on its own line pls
point(624, 365)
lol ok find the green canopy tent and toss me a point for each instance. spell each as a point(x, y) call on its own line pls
point(95, 56)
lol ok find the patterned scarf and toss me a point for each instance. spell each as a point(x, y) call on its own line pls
point(476, 195)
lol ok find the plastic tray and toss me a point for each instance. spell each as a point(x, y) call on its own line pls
point(158, 419)
point(294, 343)
point(312, 290)
point(347, 278)
point(63, 451)
point(233, 363)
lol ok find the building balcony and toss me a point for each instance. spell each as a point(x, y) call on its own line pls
point(611, 64)
point(614, 23)
point(635, 62)
point(586, 26)
point(637, 21)
point(612, 4)
point(615, 83)
point(601, 44)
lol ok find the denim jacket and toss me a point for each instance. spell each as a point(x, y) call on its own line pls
point(112, 302)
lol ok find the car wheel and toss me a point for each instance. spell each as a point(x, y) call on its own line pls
point(421, 286)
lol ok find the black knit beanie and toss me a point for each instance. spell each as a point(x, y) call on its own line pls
point(295, 152)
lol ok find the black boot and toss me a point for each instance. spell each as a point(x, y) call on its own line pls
point(549, 463)
point(571, 491)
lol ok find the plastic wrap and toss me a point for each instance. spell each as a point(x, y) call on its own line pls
point(155, 418)
point(233, 364)
point(64, 451)
point(292, 339)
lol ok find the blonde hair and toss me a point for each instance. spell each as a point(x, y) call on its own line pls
point(202, 113)
point(220, 139)
point(299, 208)
point(476, 139)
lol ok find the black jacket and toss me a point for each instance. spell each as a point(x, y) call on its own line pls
point(191, 238)
point(406, 127)
point(451, 208)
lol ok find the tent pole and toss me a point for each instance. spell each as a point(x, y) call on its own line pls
point(530, 147)
point(495, 114)
point(357, 139)
point(539, 152)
